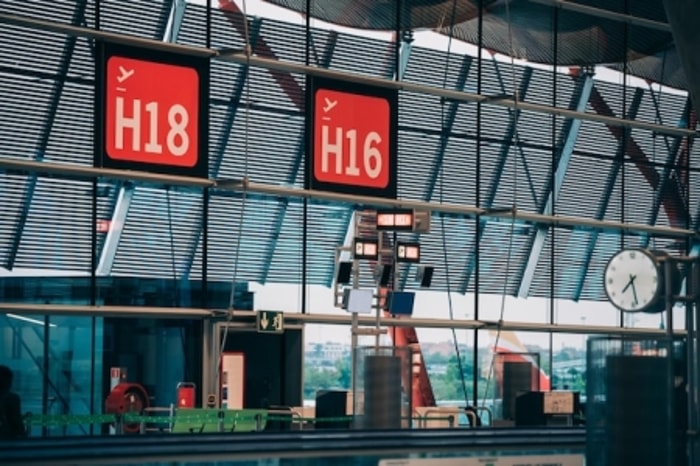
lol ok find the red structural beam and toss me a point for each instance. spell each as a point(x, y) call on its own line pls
point(672, 198)
point(285, 80)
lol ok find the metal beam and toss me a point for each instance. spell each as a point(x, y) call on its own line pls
point(113, 37)
point(116, 227)
point(674, 151)
point(284, 78)
point(221, 145)
point(174, 23)
point(125, 194)
point(559, 221)
point(291, 67)
point(43, 143)
point(574, 126)
point(324, 61)
point(507, 102)
point(606, 14)
point(496, 179)
point(87, 172)
point(605, 198)
point(296, 318)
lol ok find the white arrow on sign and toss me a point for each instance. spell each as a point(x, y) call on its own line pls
point(124, 74)
point(329, 104)
point(264, 321)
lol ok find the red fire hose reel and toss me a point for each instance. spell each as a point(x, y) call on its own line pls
point(125, 398)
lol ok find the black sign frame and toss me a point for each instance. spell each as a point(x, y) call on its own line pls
point(103, 52)
point(313, 85)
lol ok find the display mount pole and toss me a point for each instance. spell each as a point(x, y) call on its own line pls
point(692, 307)
point(668, 265)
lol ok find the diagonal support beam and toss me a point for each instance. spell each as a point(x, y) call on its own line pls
point(672, 197)
point(496, 179)
point(571, 136)
point(43, 143)
point(284, 79)
point(262, 49)
point(233, 105)
point(446, 130)
point(678, 149)
point(447, 126)
point(114, 234)
point(125, 193)
point(605, 197)
point(174, 23)
point(323, 61)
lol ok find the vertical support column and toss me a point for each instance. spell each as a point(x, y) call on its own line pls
point(692, 349)
point(209, 377)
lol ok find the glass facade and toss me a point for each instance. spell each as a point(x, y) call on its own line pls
point(154, 256)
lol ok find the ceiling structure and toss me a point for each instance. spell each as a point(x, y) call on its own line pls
point(588, 32)
point(257, 129)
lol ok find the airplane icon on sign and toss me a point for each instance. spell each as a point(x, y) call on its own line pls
point(124, 74)
point(329, 104)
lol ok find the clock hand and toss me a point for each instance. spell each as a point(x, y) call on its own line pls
point(629, 283)
point(634, 293)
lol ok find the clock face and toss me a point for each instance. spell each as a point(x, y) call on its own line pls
point(632, 280)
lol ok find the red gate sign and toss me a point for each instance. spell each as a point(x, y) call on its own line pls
point(154, 118)
point(354, 139)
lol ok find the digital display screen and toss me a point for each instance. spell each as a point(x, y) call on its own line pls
point(366, 249)
point(408, 252)
point(394, 220)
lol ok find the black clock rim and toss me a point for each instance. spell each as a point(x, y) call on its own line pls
point(652, 306)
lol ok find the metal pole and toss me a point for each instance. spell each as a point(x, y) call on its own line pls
point(353, 362)
point(455, 209)
point(692, 306)
point(84, 171)
point(668, 264)
point(320, 318)
point(89, 172)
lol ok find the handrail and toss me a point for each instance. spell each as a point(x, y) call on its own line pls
point(487, 409)
point(184, 447)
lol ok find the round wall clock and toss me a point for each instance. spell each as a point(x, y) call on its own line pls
point(634, 281)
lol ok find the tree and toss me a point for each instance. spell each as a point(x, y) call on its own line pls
point(316, 379)
point(344, 373)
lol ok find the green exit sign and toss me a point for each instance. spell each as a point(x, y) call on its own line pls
point(270, 321)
